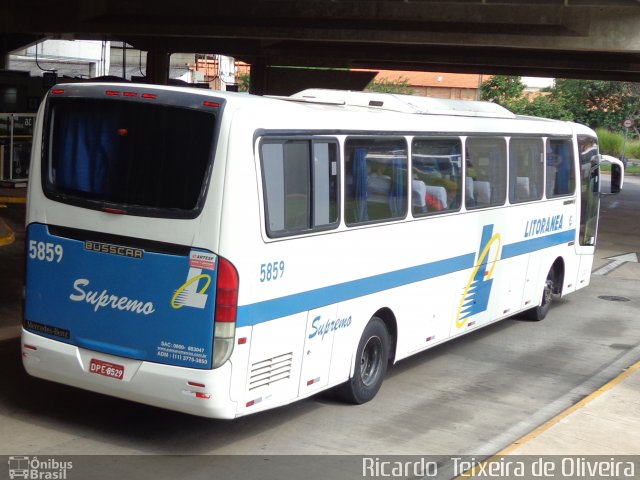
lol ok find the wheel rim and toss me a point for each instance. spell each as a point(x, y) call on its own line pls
point(370, 363)
point(547, 295)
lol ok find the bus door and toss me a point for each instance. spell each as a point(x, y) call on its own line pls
point(589, 206)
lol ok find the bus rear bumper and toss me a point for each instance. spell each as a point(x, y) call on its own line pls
point(193, 391)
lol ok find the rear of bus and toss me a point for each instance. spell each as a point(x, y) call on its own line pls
point(125, 294)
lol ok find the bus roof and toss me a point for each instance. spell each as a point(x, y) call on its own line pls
point(410, 113)
point(402, 103)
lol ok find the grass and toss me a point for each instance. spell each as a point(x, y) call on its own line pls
point(633, 168)
point(612, 143)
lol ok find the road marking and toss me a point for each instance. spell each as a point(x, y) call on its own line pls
point(13, 200)
point(8, 237)
point(535, 433)
point(616, 261)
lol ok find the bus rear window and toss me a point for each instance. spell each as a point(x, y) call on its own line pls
point(149, 159)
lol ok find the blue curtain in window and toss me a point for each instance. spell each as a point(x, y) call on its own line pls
point(397, 193)
point(564, 166)
point(85, 151)
point(360, 186)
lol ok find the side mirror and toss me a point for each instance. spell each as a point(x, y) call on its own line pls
point(617, 172)
point(616, 178)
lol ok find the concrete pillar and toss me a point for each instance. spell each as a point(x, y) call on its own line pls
point(4, 61)
point(258, 80)
point(158, 67)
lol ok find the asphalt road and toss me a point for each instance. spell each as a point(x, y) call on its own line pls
point(474, 395)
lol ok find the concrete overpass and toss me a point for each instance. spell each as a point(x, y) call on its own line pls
point(557, 38)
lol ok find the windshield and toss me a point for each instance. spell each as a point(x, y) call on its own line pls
point(147, 159)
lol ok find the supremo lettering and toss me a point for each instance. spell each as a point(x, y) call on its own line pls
point(104, 299)
point(321, 329)
point(539, 226)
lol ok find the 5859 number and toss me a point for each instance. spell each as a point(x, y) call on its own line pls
point(48, 252)
point(271, 271)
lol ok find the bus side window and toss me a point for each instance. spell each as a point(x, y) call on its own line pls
point(526, 169)
point(436, 175)
point(300, 182)
point(561, 178)
point(486, 173)
point(376, 179)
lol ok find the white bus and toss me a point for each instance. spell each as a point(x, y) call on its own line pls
point(222, 254)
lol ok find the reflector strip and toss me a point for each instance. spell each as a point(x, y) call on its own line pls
point(195, 384)
point(242, 341)
point(116, 211)
point(191, 393)
point(30, 347)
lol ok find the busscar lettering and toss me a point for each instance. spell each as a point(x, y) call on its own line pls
point(105, 299)
point(540, 226)
point(113, 249)
point(321, 329)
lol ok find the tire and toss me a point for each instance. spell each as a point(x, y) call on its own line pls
point(540, 312)
point(372, 357)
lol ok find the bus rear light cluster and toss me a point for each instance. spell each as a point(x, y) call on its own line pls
point(226, 312)
point(116, 93)
point(226, 292)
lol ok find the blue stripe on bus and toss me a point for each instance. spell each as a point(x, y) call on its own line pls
point(259, 312)
point(538, 243)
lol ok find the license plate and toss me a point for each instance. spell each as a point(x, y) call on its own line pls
point(107, 369)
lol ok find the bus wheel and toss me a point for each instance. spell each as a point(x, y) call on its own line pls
point(371, 364)
point(538, 313)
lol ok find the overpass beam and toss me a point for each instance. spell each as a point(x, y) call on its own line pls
point(158, 66)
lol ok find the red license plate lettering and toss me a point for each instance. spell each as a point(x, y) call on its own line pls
point(107, 369)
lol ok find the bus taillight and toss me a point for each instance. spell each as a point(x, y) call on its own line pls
point(226, 309)
point(226, 292)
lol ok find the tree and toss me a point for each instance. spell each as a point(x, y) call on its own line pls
point(599, 103)
point(547, 106)
point(596, 103)
point(244, 81)
point(502, 90)
point(400, 86)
